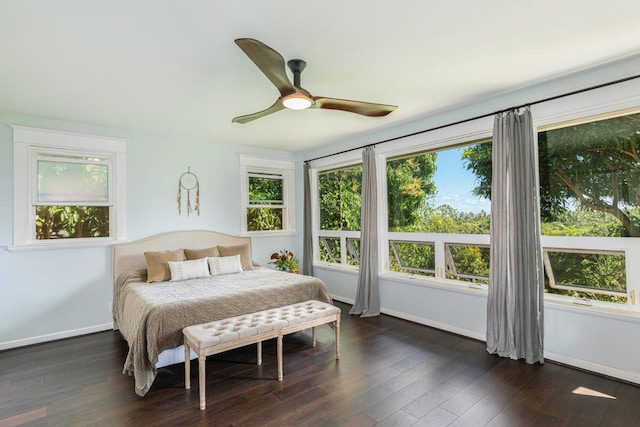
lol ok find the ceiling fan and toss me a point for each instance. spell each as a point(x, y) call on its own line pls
point(293, 96)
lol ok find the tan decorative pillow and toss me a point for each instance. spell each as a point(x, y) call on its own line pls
point(158, 264)
point(201, 253)
point(243, 250)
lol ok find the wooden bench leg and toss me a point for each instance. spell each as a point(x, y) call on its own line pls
point(337, 330)
point(280, 357)
point(202, 381)
point(259, 344)
point(187, 366)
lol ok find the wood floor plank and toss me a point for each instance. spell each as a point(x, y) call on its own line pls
point(437, 417)
point(24, 417)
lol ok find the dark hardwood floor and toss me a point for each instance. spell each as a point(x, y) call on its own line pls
point(391, 373)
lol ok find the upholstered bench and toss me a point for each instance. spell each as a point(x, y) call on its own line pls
point(227, 334)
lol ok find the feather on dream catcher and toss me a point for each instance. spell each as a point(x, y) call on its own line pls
point(189, 182)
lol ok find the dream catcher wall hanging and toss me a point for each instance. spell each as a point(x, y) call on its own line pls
point(189, 182)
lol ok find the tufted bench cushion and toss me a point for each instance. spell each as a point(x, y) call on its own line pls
point(222, 335)
point(233, 329)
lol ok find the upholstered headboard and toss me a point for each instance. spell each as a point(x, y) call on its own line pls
point(130, 256)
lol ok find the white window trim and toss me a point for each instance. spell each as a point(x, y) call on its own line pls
point(28, 139)
point(261, 165)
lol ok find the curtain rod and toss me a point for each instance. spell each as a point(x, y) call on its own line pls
point(482, 116)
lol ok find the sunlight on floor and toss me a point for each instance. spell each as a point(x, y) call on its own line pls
point(583, 391)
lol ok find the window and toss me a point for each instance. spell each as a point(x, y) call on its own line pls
point(438, 213)
point(339, 201)
point(69, 188)
point(267, 195)
point(72, 195)
point(589, 180)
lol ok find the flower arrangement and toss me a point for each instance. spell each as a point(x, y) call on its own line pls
point(285, 261)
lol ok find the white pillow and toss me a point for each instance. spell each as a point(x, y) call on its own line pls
point(225, 265)
point(183, 270)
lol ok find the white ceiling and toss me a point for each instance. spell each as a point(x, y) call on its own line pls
point(172, 67)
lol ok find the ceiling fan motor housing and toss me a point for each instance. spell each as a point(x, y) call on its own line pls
point(296, 66)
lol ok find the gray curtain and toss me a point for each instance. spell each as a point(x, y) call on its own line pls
point(367, 301)
point(307, 240)
point(516, 287)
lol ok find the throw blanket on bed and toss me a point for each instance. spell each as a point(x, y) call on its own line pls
point(151, 316)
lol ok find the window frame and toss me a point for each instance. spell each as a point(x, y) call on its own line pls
point(577, 109)
point(28, 142)
point(285, 168)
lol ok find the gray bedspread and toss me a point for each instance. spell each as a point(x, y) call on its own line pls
point(151, 316)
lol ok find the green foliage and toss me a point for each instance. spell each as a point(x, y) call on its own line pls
point(339, 191)
point(415, 257)
point(446, 219)
point(587, 271)
point(64, 222)
point(330, 249)
point(579, 221)
point(595, 165)
point(469, 260)
point(409, 184)
point(261, 219)
point(477, 158)
point(263, 192)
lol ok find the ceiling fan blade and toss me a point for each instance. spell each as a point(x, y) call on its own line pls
point(270, 62)
point(364, 108)
point(277, 106)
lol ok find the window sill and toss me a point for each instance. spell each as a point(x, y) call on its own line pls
point(44, 246)
point(269, 233)
point(560, 303)
point(337, 267)
point(434, 282)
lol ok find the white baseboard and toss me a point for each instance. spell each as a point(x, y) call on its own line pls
point(632, 377)
point(438, 325)
point(55, 336)
point(343, 299)
point(420, 320)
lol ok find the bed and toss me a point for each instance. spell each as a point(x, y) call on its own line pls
point(151, 316)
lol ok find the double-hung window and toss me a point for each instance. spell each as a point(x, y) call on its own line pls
point(267, 196)
point(72, 195)
point(69, 188)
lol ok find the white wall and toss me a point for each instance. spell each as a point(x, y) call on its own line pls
point(575, 335)
point(53, 293)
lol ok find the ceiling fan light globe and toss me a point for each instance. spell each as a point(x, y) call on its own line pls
point(296, 101)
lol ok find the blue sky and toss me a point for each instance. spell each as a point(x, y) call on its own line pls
point(454, 183)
